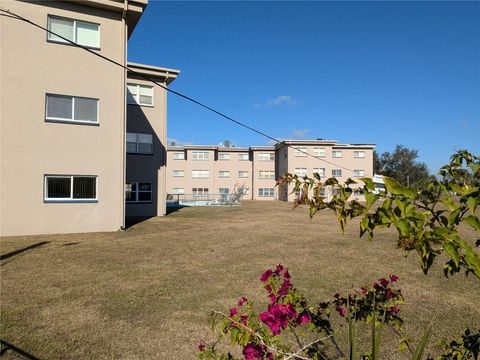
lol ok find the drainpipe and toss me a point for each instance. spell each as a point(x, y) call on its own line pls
point(124, 127)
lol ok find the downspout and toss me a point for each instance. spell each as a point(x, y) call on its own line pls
point(124, 127)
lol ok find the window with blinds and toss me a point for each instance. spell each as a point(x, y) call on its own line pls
point(139, 94)
point(80, 32)
point(139, 143)
point(71, 109)
point(70, 188)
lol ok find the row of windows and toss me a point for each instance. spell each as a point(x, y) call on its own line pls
point(262, 192)
point(204, 174)
point(301, 172)
point(84, 188)
point(204, 155)
point(262, 174)
point(321, 152)
point(75, 109)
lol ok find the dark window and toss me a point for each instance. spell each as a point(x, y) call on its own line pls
point(84, 187)
point(58, 188)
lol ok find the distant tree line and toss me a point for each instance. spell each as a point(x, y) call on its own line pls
point(401, 164)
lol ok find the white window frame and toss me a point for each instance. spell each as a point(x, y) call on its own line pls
point(301, 151)
point(197, 157)
point(266, 174)
point(200, 174)
point(66, 120)
point(176, 191)
point(336, 170)
point(196, 192)
point(136, 96)
point(224, 174)
point(178, 156)
point(69, 199)
point(319, 152)
point(301, 172)
point(335, 154)
point(223, 156)
point(320, 171)
point(177, 172)
point(243, 157)
point(74, 21)
point(137, 135)
point(266, 156)
point(358, 173)
point(359, 154)
point(266, 192)
point(243, 177)
point(137, 191)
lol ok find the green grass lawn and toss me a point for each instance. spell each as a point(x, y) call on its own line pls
point(145, 293)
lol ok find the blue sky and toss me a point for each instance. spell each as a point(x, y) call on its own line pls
point(360, 72)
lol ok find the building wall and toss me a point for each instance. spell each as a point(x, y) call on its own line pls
point(263, 165)
point(31, 147)
point(148, 167)
point(213, 165)
point(289, 161)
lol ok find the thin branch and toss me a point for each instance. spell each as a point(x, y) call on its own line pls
point(307, 346)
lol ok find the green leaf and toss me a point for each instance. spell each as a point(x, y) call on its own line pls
point(451, 249)
point(472, 204)
point(403, 227)
point(394, 187)
point(473, 221)
point(370, 185)
point(450, 204)
point(417, 354)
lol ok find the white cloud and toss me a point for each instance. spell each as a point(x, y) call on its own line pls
point(299, 134)
point(279, 100)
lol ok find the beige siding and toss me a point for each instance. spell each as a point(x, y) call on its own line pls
point(32, 148)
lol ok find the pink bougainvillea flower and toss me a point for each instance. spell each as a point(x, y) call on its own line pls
point(233, 311)
point(304, 318)
point(383, 282)
point(390, 294)
point(243, 319)
point(286, 274)
point(393, 278)
point(201, 347)
point(394, 310)
point(376, 285)
point(252, 352)
point(277, 317)
point(363, 290)
point(279, 269)
point(272, 297)
point(341, 310)
point(242, 301)
point(266, 275)
point(268, 288)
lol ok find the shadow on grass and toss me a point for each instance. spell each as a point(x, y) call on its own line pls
point(19, 251)
point(6, 346)
point(131, 221)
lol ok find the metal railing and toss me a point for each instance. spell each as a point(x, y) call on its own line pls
point(203, 199)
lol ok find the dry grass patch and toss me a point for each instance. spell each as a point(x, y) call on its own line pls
point(145, 293)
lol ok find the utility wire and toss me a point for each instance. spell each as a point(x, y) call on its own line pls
point(188, 98)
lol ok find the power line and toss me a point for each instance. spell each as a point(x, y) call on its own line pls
point(188, 98)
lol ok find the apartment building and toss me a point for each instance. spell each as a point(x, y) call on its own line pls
point(64, 126)
point(328, 158)
point(200, 171)
point(146, 159)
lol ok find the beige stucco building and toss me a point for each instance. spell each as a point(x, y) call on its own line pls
point(63, 126)
point(197, 171)
point(328, 158)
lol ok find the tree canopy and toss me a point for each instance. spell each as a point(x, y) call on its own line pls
point(401, 164)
